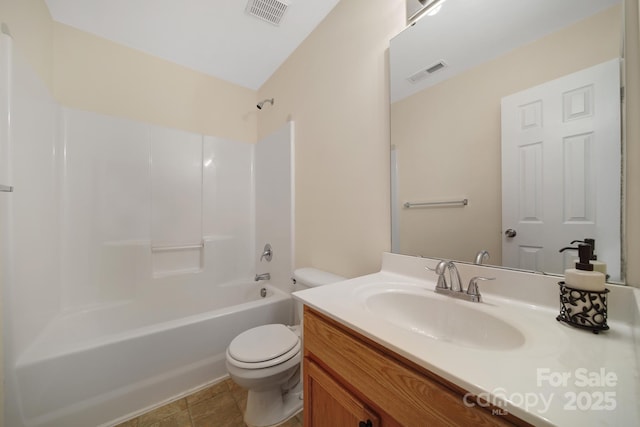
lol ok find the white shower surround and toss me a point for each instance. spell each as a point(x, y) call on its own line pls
point(93, 195)
point(127, 185)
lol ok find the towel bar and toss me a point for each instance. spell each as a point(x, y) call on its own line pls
point(463, 202)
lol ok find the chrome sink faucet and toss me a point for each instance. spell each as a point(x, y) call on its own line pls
point(482, 256)
point(454, 276)
point(263, 276)
point(455, 289)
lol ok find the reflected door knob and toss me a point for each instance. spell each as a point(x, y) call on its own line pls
point(367, 423)
point(510, 233)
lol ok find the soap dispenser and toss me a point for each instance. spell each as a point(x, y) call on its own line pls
point(584, 277)
point(597, 265)
point(583, 297)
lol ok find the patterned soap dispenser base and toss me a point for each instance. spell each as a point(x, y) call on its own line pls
point(583, 297)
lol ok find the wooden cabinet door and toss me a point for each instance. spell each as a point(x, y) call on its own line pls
point(328, 404)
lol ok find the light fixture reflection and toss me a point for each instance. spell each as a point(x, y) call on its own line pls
point(435, 7)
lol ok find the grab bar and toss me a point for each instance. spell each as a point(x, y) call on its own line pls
point(176, 248)
point(6, 188)
point(463, 202)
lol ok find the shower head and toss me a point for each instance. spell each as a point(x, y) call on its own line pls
point(261, 103)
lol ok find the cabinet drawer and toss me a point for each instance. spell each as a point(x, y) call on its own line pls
point(411, 397)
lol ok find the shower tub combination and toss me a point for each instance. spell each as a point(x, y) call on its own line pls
point(109, 314)
point(102, 366)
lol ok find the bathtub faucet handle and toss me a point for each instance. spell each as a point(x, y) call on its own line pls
point(267, 253)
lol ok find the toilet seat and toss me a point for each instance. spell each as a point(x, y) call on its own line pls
point(263, 347)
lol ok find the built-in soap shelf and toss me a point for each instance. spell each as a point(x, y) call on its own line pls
point(189, 258)
point(176, 259)
point(145, 259)
point(169, 248)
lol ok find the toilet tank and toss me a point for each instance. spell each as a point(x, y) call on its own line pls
point(306, 278)
point(311, 277)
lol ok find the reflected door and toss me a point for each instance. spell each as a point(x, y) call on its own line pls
point(561, 170)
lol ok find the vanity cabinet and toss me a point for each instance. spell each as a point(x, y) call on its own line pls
point(351, 381)
point(333, 405)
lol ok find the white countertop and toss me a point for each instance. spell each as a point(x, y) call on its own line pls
point(560, 376)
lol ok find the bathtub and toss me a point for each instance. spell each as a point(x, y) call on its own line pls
point(98, 366)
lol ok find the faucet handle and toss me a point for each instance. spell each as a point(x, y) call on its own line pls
point(267, 253)
point(472, 289)
point(440, 269)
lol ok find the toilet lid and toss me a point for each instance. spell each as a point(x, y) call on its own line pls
point(263, 343)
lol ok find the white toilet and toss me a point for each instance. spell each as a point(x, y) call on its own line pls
point(266, 360)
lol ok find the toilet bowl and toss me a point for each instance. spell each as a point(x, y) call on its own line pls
point(266, 360)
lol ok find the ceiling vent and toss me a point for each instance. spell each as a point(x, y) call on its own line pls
point(426, 72)
point(271, 11)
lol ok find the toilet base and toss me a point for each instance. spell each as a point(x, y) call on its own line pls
point(271, 407)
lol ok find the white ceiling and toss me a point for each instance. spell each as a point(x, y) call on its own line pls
point(466, 33)
point(215, 37)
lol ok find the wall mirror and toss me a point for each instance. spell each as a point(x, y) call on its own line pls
point(505, 132)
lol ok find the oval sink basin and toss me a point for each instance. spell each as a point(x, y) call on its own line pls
point(451, 321)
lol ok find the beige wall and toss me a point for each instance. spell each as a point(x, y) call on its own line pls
point(448, 138)
point(335, 87)
point(91, 73)
point(31, 26)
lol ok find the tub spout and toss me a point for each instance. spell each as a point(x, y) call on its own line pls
point(263, 276)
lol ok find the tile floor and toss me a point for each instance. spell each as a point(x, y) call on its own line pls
point(220, 405)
